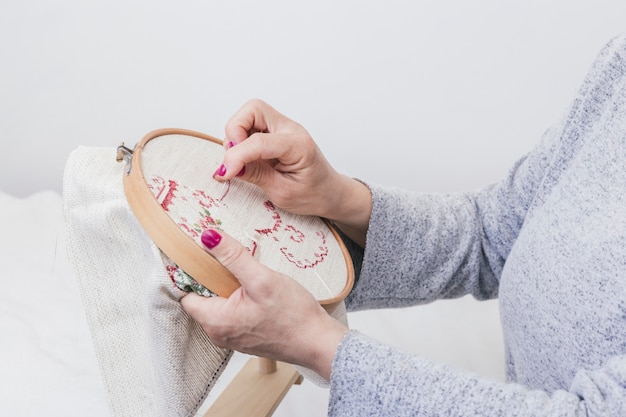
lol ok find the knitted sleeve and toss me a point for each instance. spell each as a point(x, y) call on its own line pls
point(392, 383)
point(423, 247)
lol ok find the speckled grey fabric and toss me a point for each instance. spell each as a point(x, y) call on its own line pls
point(549, 241)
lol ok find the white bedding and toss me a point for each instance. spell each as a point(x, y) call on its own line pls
point(48, 364)
point(47, 360)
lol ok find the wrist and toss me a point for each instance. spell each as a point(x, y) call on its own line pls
point(324, 346)
point(352, 208)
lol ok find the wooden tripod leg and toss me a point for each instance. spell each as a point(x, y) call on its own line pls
point(257, 390)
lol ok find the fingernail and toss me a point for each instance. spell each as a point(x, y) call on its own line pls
point(231, 144)
point(242, 172)
point(221, 171)
point(210, 238)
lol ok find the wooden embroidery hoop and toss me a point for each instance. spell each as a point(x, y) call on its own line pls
point(178, 246)
point(262, 382)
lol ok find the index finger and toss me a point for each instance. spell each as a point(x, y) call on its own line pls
point(254, 116)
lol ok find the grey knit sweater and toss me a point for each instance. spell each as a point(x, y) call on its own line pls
point(549, 241)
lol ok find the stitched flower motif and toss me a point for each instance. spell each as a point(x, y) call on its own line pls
point(195, 211)
point(184, 281)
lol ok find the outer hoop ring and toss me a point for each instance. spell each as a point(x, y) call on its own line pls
point(182, 249)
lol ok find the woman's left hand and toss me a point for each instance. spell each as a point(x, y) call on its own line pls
point(269, 315)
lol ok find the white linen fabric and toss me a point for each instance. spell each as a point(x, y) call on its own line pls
point(179, 171)
point(155, 360)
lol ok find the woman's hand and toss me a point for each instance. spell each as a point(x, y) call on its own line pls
point(270, 315)
point(270, 150)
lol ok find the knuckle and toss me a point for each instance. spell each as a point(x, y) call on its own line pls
point(255, 105)
point(219, 337)
point(230, 255)
point(254, 175)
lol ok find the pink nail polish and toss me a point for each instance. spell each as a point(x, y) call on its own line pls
point(231, 144)
point(221, 171)
point(210, 238)
point(242, 172)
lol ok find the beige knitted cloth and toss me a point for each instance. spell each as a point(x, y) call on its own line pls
point(155, 360)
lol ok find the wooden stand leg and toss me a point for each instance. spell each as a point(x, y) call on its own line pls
point(267, 366)
point(257, 390)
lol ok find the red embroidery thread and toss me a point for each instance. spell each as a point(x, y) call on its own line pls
point(167, 191)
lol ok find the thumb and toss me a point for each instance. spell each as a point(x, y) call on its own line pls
point(233, 256)
point(196, 305)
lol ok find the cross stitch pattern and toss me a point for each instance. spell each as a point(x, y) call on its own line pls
point(168, 192)
point(302, 247)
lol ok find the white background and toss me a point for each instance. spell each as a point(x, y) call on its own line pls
point(426, 95)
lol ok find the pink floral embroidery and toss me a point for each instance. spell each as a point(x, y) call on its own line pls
point(184, 282)
point(295, 236)
point(167, 192)
point(171, 270)
point(318, 257)
point(277, 221)
point(163, 191)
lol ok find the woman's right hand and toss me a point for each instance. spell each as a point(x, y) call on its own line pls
point(272, 151)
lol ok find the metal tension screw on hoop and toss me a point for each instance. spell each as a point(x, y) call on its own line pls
point(125, 154)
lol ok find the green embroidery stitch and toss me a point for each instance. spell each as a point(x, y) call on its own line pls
point(188, 284)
